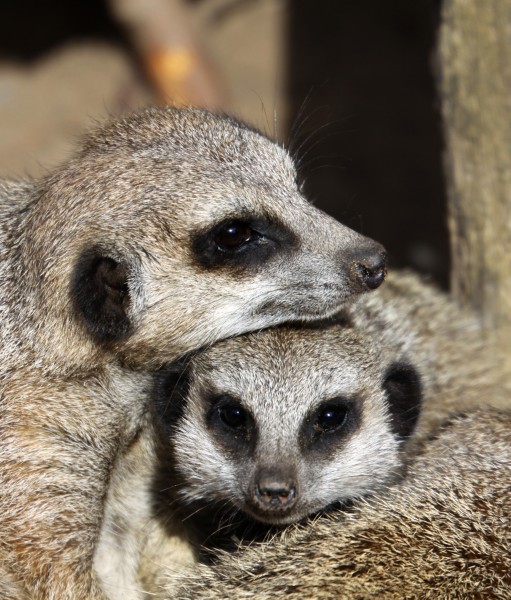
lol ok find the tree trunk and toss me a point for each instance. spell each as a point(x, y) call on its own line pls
point(475, 84)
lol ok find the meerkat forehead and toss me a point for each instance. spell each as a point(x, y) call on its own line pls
point(283, 374)
point(180, 171)
point(286, 366)
point(196, 136)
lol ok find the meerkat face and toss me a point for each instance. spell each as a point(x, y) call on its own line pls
point(174, 229)
point(283, 423)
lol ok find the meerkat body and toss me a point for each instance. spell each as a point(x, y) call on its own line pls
point(169, 230)
point(443, 532)
point(282, 423)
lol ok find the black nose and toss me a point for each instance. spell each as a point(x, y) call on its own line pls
point(273, 493)
point(274, 489)
point(370, 267)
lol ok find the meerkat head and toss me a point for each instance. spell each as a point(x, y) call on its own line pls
point(175, 228)
point(283, 423)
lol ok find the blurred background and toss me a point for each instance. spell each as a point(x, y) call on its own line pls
point(347, 85)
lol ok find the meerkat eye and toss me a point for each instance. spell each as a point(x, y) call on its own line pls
point(234, 235)
point(231, 424)
point(330, 418)
point(233, 415)
point(332, 415)
point(241, 245)
point(329, 424)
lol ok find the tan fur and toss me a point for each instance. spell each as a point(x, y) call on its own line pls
point(406, 321)
point(444, 532)
point(11, 588)
point(121, 219)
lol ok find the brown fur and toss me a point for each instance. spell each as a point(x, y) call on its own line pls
point(110, 267)
point(444, 532)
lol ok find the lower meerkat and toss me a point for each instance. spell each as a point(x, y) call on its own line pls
point(282, 423)
point(443, 532)
point(170, 229)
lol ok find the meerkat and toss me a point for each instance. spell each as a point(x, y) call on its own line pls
point(442, 532)
point(169, 230)
point(284, 423)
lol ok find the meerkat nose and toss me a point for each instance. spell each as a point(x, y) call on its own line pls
point(370, 266)
point(274, 493)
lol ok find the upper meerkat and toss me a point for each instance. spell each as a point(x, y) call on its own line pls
point(171, 229)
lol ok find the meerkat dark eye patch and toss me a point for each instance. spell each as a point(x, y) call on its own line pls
point(403, 387)
point(244, 243)
point(231, 424)
point(329, 424)
point(100, 292)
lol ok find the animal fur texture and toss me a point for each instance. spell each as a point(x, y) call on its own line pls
point(404, 352)
point(443, 532)
point(171, 229)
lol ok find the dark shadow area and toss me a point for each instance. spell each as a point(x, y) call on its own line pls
point(31, 28)
point(368, 127)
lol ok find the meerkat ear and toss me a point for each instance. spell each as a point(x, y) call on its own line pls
point(101, 295)
point(402, 384)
